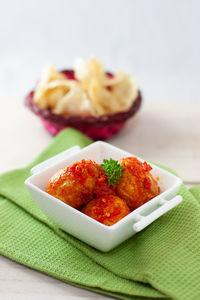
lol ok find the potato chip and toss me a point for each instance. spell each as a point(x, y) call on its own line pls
point(50, 95)
point(52, 86)
point(94, 92)
point(107, 95)
point(124, 89)
point(74, 102)
point(87, 71)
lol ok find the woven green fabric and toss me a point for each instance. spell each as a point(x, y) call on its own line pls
point(162, 261)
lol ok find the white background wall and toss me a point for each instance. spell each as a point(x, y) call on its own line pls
point(157, 41)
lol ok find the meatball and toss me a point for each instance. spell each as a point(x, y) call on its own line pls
point(137, 185)
point(102, 187)
point(107, 210)
point(74, 185)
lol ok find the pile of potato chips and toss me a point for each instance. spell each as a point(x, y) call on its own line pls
point(92, 93)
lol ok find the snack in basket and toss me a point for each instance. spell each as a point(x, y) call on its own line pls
point(106, 192)
point(87, 98)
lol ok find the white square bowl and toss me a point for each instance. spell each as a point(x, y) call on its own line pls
point(83, 227)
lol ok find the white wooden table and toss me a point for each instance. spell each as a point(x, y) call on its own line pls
point(165, 132)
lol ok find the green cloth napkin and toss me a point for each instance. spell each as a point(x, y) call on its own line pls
point(162, 261)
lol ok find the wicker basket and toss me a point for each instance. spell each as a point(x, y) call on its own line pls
point(97, 128)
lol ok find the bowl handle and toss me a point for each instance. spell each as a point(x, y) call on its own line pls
point(54, 160)
point(165, 206)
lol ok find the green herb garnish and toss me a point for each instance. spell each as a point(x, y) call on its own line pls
point(113, 171)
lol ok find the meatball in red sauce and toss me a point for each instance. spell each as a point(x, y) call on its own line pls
point(107, 209)
point(137, 185)
point(74, 185)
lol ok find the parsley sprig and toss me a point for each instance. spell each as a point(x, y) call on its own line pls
point(113, 171)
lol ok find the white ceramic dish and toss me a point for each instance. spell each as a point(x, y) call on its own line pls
point(85, 228)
